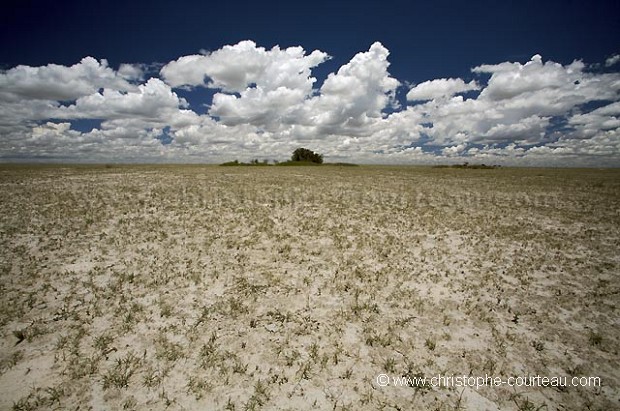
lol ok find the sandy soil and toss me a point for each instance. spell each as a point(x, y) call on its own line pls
point(244, 288)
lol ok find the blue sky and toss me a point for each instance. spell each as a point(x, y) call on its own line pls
point(523, 83)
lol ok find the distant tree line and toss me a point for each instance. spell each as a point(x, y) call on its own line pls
point(467, 165)
point(301, 156)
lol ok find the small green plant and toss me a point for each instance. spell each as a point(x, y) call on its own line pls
point(595, 339)
point(102, 343)
point(304, 370)
point(120, 374)
point(314, 351)
point(239, 367)
point(416, 378)
point(260, 396)
point(524, 404)
point(130, 403)
point(54, 394)
point(230, 405)
point(197, 386)
point(153, 377)
point(390, 365)
point(168, 350)
point(538, 345)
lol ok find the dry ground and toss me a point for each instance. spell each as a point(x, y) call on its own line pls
point(179, 287)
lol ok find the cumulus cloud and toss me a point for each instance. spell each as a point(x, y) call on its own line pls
point(347, 102)
point(596, 122)
point(526, 130)
point(509, 80)
point(356, 94)
point(50, 128)
point(267, 103)
point(234, 68)
point(453, 150)
point(131, 72)
point(518, 102)
point(257, 106)
point(444, 87)
point(258, 86)
point(613, 60)
point(55, 82)
point(153, 100)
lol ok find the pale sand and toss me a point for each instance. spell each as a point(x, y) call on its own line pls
point(155, 288)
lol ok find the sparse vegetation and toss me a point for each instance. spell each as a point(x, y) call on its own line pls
point(199, 287)
point(254, 162)
point(301, 156)
point(466, 165)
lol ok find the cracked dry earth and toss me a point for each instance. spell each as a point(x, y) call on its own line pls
point(292, 288)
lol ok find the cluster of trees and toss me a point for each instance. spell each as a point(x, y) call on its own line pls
point(303, 154)
point(300, 155)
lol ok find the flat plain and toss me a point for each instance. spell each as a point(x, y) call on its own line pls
point(246, 288)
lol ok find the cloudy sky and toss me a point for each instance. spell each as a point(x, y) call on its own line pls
point(512, 83)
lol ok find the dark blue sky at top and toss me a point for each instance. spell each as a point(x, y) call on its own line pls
point(427, 39)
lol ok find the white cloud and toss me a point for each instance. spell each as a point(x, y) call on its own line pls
point(454, 150)
point(153, 101)
point(234, 68)
point(50, 128)
point(268, 103)
point(55, 82)
point(526, 130)
point(444, 87)
point(355, 96)
point(613, 60)
point(348, 102)
point(271, 85)
point(17, 111)
point(509, 80)
point(131, 72)
point(596, 121)
point(518, 102)
point(257, 106)
point(187, 70)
